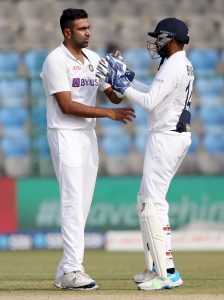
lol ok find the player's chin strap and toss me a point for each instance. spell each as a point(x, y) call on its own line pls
point(161, 62)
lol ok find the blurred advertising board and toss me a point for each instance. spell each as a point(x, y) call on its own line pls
point(182, 240)
point(45, 240)
point(8, 213)
point(191, 199)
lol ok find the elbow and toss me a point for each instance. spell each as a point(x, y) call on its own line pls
point(149, 109)
point(146, 107)
point(66, 109)
point(149, 106)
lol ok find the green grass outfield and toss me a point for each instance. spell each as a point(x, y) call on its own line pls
point(30, 274)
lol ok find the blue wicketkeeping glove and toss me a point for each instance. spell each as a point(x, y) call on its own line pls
point(120, 83)
point(115, 72)
point(116, 62)
point(104, 71)
point(112, 64)
point(122, 78)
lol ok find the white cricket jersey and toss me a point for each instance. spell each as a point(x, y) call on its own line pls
point(168, 94)
point(63, 72)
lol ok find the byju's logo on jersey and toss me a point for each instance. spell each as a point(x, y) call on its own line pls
point(77, 82)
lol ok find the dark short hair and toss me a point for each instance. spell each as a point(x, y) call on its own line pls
point(70, 15)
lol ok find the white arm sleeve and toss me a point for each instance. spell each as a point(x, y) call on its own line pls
point(55, 75)
point(141, 87)
point(103, 85)
point(160, 88)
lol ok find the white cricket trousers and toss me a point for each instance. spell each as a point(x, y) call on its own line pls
point(75, 159)
point(163, 156)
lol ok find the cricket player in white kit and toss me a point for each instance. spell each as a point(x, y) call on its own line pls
point(168, 101)
point(71, 85)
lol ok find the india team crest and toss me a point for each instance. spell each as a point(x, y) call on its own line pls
point(91, 68)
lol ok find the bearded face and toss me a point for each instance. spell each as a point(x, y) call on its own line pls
point(158, 47)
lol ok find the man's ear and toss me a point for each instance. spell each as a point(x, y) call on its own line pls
point(67, 33)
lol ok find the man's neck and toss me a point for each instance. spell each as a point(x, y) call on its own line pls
point(174, 50)
point(76, 52)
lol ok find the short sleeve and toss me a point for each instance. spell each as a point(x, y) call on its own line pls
point(55, 75)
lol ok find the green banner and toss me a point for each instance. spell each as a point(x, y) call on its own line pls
point(114, 204)
point(196, 199)
point(38, 204)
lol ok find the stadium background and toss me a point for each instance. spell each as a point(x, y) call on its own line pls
point(29, 197)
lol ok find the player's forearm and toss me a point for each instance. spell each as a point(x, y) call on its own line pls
point(70, 107)
point(141, 87)
point(111, 95)
point(145, 100)
point(80, 110)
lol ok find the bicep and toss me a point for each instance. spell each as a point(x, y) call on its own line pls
point(64, 100)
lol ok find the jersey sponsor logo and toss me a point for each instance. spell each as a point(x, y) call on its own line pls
point(77, 82)
point(76, 68)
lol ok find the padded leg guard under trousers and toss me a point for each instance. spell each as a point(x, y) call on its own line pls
point(153, 235)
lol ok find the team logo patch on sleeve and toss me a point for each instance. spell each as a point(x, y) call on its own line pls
point(190, 71)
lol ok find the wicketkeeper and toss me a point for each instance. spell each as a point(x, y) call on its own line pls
point(168, 101)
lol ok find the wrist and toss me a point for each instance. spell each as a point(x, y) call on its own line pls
point(119, 95)
point(126, 91)
point(108, 112)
